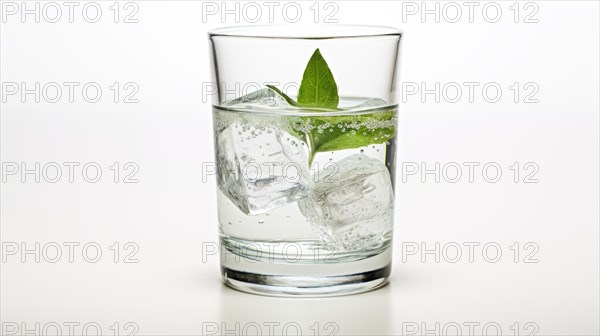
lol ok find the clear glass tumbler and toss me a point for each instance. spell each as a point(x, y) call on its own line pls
point(305, 121)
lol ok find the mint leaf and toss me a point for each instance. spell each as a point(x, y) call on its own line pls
point(286, 97)
point(354, 132)
point(318, 88)
point(326, 134)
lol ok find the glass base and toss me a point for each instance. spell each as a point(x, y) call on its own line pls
point(306, 286)
point(303, 268)
point(301, 281)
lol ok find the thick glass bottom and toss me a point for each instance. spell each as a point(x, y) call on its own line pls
point(308, 271)
point(306, 286)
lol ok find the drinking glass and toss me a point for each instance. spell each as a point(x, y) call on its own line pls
point(305, 127)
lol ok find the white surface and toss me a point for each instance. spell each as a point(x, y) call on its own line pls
point(171, 212)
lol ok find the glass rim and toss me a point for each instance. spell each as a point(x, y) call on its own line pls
point(305, 32)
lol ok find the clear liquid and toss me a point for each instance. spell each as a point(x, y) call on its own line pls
point(284, 240)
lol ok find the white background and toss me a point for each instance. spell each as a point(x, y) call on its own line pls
point(170, 214)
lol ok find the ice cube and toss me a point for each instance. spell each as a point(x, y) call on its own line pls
point(260, 168)
point(261, 98)
point(352, 205)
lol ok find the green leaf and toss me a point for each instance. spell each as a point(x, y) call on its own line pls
point(327, 134)
point(318, 88)
point(286, 97)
